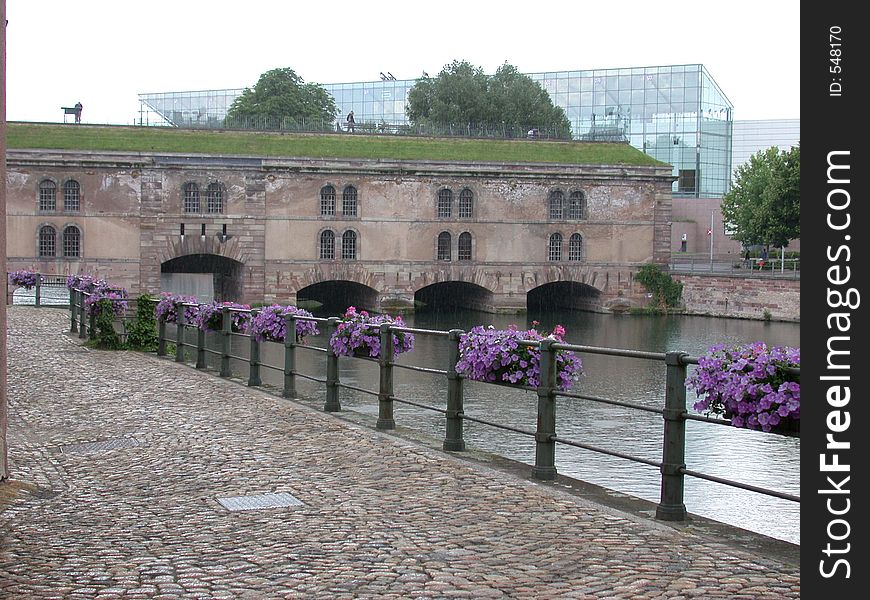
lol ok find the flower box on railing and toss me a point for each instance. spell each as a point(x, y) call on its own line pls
point(499, 356)
point(755, 386)
point(24, 278)
point(270, 324)
point(359, 335)
point(210, 316)
point(166, 308)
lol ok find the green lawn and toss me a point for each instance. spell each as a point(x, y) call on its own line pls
point(329, 145)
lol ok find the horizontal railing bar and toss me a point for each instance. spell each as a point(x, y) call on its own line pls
point(611, 351)
point(241, 358)
point(268, 366)
point(743, 486)
point(598, 449)
point(435, 332)
point(309, 377)
point(418, 404)
point(466, 417)
point(657, 411)
point(420, 369)
point(314, 348)
point(693, 417)
point(355, 388)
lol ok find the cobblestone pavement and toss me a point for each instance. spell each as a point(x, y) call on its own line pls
point(381, 516)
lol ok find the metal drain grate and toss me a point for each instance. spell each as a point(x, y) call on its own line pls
point(101, 446)
point(260, 501)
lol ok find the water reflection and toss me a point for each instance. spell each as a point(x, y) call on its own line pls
point(756, 458)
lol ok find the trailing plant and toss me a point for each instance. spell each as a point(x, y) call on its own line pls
point(749, 384)
point(104, 311)
point(142, 332)
point(665, 290)
point(497, 355)
point(210, 316)
point(269, 324)
point(359, 333)
point(24, 277)
point(166, 307)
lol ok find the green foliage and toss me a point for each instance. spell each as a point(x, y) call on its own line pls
point(105, 335)
point(168, 139)
point(280, 97)
point(764, 203)
point(666, 292)
point(463, 94)
point(142, 332)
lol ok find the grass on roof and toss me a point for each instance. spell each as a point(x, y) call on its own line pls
point(328, 145)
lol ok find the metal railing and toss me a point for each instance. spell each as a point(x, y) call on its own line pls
point(674, 412)
point(42, 281)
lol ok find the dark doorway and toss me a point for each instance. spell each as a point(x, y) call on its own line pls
point(331, 298)
point(202, 275)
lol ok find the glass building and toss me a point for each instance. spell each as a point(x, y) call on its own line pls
point(751, 137)
point(677, 114)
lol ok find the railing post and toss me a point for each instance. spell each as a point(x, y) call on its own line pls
point(385, 390)
point(672, 506)
point(290, 356)
point(545, 446)
point(161, 335)
point(254, 362)
point(73, 325)
point(82, 328)
point(332, 402)
point(226, 334)
point(200, 348)
point(92, 324)
point(37, 292)
point(179, 336)
point(453, 439)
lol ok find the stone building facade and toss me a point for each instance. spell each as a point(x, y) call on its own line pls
point(258, 229)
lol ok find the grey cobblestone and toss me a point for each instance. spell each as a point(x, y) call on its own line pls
point(382, 517)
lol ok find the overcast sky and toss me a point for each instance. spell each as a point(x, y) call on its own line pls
point(104, 53)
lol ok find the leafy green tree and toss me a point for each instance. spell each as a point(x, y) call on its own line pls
point(463, 95)
point(280, 98)
point(764, 204)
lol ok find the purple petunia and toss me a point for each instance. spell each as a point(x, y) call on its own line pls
point(359, 332)
point(270, 324)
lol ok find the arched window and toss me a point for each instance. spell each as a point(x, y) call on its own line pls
point(191, 198)
point(71, 196)
point(327, 201)
point(327, 245)
point(557, 200)
point(554, 248)
point(72, 242)
point(577, 205)
point(348, 201)
point(444, 241)
point(575, 247)
point(464, 252)
point(47, 241)
point(466, 204)
point(214, 198)
point(445, 203)
point(348, 245)
point(47, 195)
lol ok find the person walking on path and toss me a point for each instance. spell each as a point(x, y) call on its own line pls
point(350, 122)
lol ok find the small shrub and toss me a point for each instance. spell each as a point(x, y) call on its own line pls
point(142, 332)
point(666, 292)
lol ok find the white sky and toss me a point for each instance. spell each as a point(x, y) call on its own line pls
point(104, 53)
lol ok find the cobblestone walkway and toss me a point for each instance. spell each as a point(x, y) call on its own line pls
point(381, 517)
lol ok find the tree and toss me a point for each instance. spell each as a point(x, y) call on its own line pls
point(280, 99)
point(764, 204)
point(463, 95)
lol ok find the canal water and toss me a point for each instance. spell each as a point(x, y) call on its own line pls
point(762, 459)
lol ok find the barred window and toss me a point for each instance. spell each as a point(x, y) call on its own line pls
point(577, 205)
point(444, 246)
point(464, 246)
point(466, 204)
point(214, 195)
point(327, 245)
point(554, 252)
point(47, 241)
point(47, 195)
point(72, 242)
point(575, 247)
point(445, 203)
point(327, 201)
point(348, 201)
point(191, 198)
point(348, 245)
point(71, 196)
point(557, 200)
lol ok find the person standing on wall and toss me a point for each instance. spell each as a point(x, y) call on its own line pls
point(350, 122)
point(78, 108)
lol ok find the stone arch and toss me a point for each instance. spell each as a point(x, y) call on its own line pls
point(564, 294)
point(206, 276)
point(332, 297)
point(454, 294)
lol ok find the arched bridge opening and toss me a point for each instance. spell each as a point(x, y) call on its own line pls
point(563, 295)
point(448, 295)
point(206, 276)
point(331, 298)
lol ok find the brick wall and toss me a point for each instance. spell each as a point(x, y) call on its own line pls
point(741, 297)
